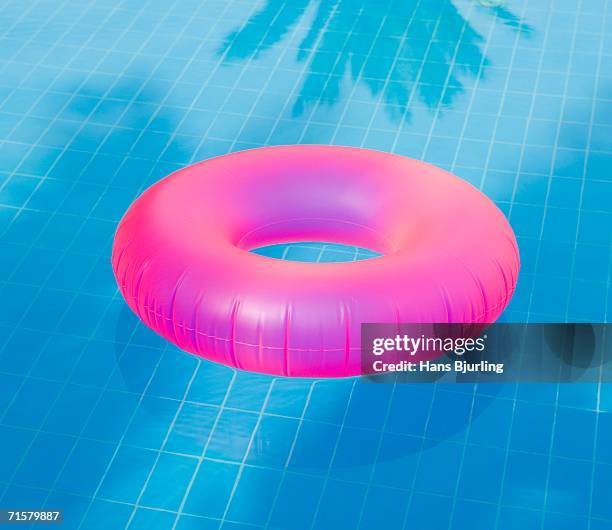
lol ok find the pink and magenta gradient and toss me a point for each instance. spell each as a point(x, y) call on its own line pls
point(181, 256)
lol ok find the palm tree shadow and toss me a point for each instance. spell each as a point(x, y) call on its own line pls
point(507, 18)
point(399, 51)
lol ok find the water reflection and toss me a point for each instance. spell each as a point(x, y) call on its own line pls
point(398, 50)
point(348, 427)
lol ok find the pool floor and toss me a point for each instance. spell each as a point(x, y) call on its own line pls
point(102, 418)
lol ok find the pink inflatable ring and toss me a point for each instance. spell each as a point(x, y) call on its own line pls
point(181, 256)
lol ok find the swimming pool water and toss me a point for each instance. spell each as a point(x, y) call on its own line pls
point(99, 416)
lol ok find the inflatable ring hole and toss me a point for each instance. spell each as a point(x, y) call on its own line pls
point(316, 252)
point(304, 228)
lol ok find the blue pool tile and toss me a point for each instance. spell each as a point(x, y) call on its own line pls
point(574, 433)
point(111, 416)
point(248, 391)
point(192, 522)
point(505, 157)
point(355, 453)
point(340, 505)
point(105, 514)
point(84, 467)
point(438, 470)
point(537, 160)
point(172, 375)
point(95, 365)
point(126, 476)
point(70, 271)
point(72, 409)
point(44, 460)
point(414, 423)
point(564, 192)
point(36, 266)
point(192, 428)
point(499, 186)
point(591, 262)
point(231, 436)
point(545, 394)
point(555, 258)
point(11, 255)
point(384, 507)
point(229, 525)
point(491, 421)
point(561, 224)
point(21, 351)
point(32, 403)
point(328, 401)
point(368, 406)
point(169, 469)
point(550, 296)
point(32, 498)
point(443, 427)
point(440, 150)
point(598, 163)
point(472, 152)
point(94, 236)
point(117, 325)
point(254, 495)
point(130, 173)
point(481, 473)
point(273, 441)
point(511, 518)
point(7, 217)
point(144, 519)
point(587, 301)
point(82, 198)
point(11, 155)
point(302, 253)
point(288, 397)
point(99, 280)
point(397, 461)
point(59, 230)
point(10, 385)
point(473, 515)
point(13, 443)
point(59, 357)
point(17, 300)
point(118, 143)
point(555, 521)
point(151, 422)
point(525, 480)
point(314, 447)
point(581, 396)
point(135, 367)
point(74, 507)
point(287, 514)
point(47, 309)
point(431, 511)
point(603, 450)
point(589, 230)
point(111, 205)
point(571, 497)
point(602, 485)
point(211, 489)
point(527, 220)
